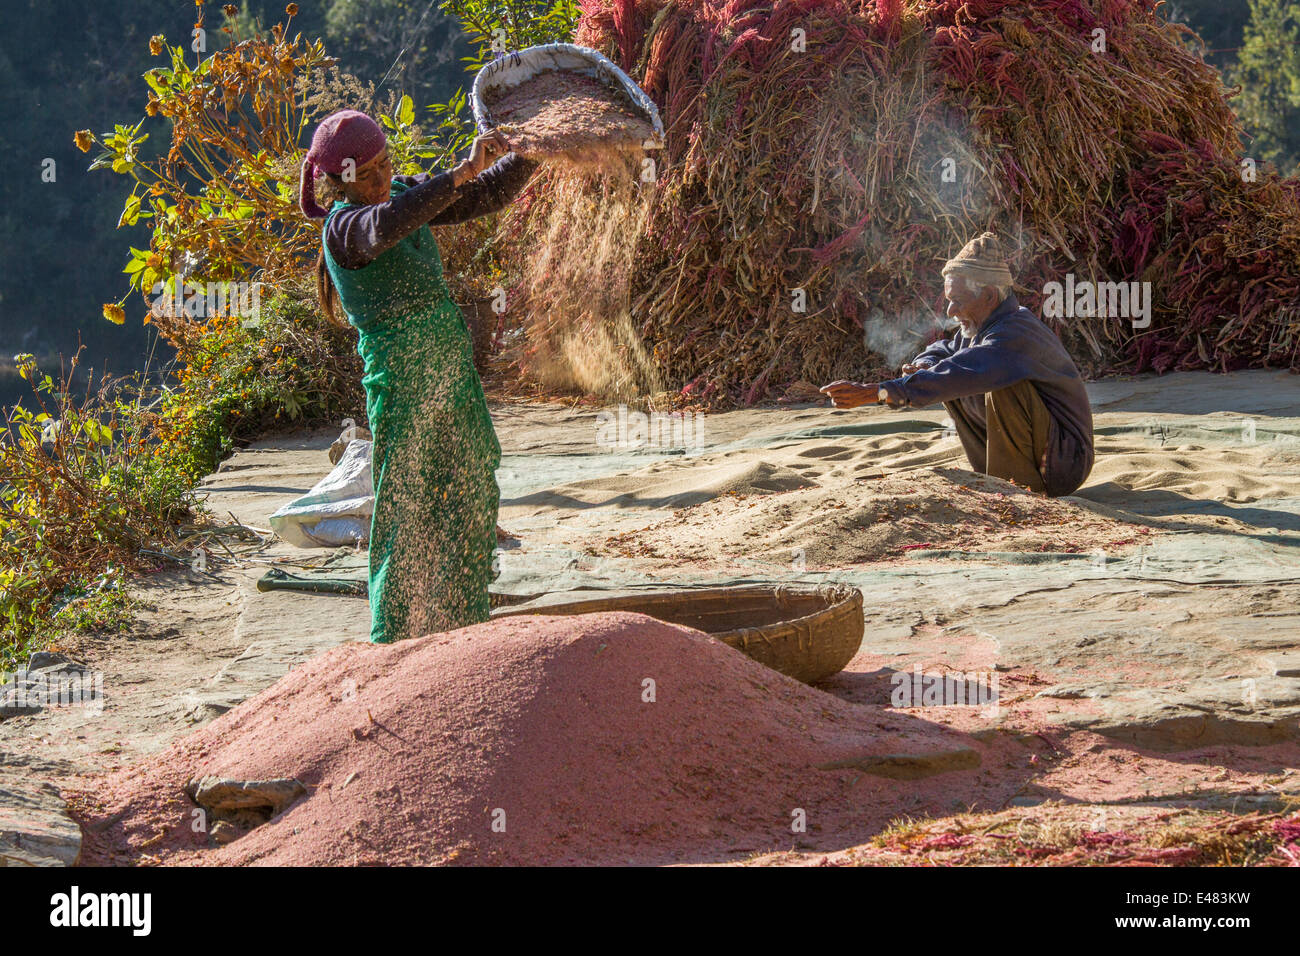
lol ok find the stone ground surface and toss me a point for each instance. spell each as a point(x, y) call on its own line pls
point(1164, 674)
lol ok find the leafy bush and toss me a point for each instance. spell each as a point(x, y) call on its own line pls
point(223, 200)
point(223, 207)
point(239, 379)
point(85, 488)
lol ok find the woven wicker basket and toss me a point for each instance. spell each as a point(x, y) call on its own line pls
point(804, 631)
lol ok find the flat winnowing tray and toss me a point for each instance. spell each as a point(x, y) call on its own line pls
point(561, 113)
point(564, 102)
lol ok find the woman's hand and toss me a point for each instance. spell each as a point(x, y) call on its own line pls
point(846, 394)
point(485, 151)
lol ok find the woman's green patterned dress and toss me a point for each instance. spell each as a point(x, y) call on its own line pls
point(433, 533)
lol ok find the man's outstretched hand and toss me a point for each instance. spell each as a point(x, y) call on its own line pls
point(846, 394)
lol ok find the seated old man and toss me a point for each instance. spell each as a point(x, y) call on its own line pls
point(1015, 396)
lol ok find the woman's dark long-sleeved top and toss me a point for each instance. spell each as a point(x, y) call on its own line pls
point(356, 236)
point(1012, 345)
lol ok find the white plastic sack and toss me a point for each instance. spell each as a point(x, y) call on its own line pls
point(338, 508)
point(511, 69)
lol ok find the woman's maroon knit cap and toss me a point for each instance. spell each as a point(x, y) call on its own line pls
point(341, 136)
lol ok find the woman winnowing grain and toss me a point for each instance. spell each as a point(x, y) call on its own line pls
point(435, 452)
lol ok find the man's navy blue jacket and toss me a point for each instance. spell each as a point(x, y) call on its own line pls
point(1012, 345)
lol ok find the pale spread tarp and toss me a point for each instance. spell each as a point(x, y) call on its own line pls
point(338, 508)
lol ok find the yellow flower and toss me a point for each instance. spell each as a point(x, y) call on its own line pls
point(292, 9)
point(114, 313)
point(156, 44)
point(84, 140)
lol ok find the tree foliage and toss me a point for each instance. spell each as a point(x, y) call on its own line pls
point(1268, 71)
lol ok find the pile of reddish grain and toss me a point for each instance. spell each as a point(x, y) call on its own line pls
point(549, 727)
point(559, 114)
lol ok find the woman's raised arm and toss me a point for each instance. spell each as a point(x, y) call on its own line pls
point(360, 234)
point(488, 192)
